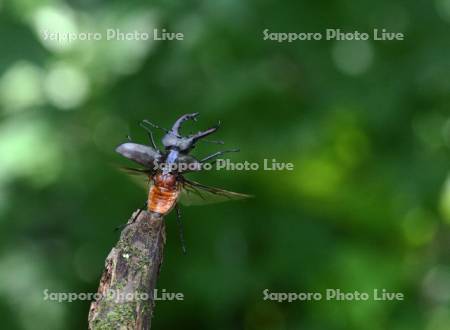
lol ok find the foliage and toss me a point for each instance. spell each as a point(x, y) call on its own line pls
point(365, 123)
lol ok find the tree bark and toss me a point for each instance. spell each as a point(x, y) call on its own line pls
point(129, 279)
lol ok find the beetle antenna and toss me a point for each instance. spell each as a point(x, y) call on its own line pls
point(145, 121)
point(150, 135)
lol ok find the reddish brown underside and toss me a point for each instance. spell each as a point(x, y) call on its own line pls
point(163, 194)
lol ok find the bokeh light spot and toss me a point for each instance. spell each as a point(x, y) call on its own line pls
point(445, 200)
point(22, 283)
point(352, 57)
point(428, 128)
point(20, 87)
point(66, 86)
point(443, 9)
point(436, 284)
point(439, 319)
point(54, 20)
point(29, 150)
point(126, 56)
point(318, 177)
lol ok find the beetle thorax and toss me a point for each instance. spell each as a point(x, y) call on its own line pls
point(181, 143)
point(167, 181)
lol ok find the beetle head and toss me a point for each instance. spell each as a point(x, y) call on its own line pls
point(173, 138)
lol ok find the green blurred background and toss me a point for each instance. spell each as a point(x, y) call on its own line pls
point(365, 123)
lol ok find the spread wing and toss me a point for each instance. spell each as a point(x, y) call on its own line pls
point(187, 163)
point(136, 171)
point(139, 153)
point(194, 193)
point(191, 192)
point(140, 181)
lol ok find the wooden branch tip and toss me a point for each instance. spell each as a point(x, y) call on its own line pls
point(125, 293)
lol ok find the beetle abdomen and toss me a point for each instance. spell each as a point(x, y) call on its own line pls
point(163, 194)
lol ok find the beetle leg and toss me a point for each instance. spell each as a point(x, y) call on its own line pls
point(180, 228)
point(214, 141)
point(201, 135)
point(219, 153)
point(121, 227)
